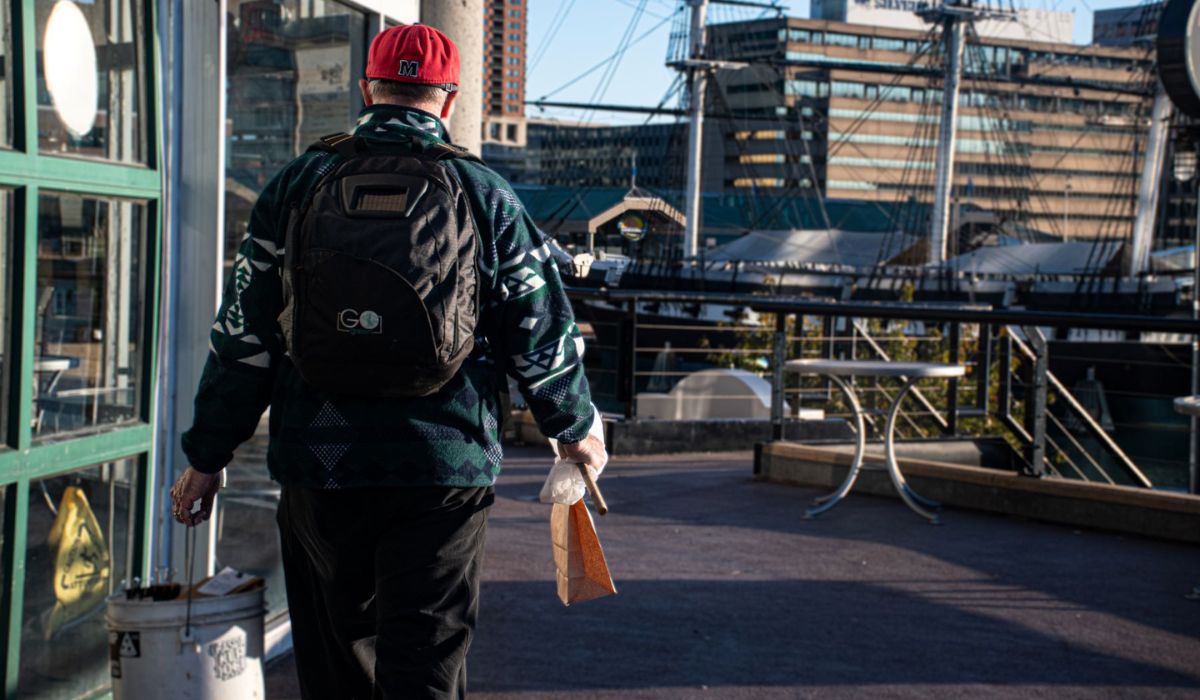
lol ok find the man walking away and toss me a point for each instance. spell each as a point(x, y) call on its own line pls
point(386, 283)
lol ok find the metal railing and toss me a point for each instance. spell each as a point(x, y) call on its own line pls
point(1020, 363)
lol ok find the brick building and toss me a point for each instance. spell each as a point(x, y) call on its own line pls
point(504, 68)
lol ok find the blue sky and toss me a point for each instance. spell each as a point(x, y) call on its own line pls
point(592, 30)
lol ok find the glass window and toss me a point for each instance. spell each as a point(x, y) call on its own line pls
point(87, 357)
point(293, 70)
point(245, 519)
point(835, 39)
point(293, 78)
point(78, 553)
point(90, 79)
point(5, 85)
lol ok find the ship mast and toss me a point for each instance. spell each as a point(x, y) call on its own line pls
point(697, 79)
point(1151, 183)
point(953, 16)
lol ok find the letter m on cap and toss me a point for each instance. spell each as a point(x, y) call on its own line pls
point(409, 69)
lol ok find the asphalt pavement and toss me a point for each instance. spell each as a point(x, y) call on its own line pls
point(726, 592)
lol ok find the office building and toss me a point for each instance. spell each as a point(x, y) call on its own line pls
point(588, 155)
point(504, 72)
point(1126, 26)
point(1050, 134)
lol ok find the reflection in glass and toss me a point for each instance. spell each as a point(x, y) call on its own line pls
point(293, 72)
point(246, 519)
point(89, 302)
point(78, 553)
point(89, 78)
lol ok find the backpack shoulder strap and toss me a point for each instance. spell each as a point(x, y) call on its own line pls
point(340, 143)
point(446, 151)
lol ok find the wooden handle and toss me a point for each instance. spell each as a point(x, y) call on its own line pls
point(597, 498)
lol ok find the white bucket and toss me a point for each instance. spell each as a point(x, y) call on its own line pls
point(153, 654)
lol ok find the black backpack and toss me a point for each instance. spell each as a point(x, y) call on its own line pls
point(380, 278)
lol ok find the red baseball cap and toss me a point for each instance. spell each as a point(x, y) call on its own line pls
point(415, 53)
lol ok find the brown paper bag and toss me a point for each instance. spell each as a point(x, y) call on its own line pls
point(578, 559)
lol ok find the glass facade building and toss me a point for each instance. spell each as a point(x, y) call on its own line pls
point(1049, 135)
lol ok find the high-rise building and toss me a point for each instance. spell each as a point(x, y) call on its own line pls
point(504, 71)
point(1050, 135)
point(1125, 26)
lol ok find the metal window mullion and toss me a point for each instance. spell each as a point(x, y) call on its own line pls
point(23, 319)
point(24, 90)
point(78, 175)
point(141, 521)
point(68, 455)
point(12, 597)
point(150, 260)
point(152, 114)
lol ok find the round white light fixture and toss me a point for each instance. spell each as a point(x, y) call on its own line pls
point(69, 64)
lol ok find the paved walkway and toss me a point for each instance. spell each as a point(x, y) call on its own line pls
point(726, 592)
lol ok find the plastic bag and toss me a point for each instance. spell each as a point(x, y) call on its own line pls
point(564, 484)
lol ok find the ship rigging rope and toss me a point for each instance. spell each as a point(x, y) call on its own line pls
point(791, 191)
point(1011, 159)
point(845, 141)
point(556, 22)
point(609, 58)
point(564, 210)
point(606, 77)
point(629, 3)
point(576, 200)
point(906, 208)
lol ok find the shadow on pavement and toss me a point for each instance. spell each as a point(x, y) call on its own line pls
point(772, 633)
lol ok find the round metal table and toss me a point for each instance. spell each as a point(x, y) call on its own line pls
point(909, 373)
point(1188, 405)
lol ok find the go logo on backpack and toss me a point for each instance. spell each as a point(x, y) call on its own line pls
point(351, 321)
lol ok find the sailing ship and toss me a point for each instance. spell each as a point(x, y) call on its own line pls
point(937, 245)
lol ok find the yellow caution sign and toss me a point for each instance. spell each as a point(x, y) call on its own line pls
point(81, 565)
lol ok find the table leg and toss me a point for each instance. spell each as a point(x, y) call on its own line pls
point(914, 501)
point(826, 502)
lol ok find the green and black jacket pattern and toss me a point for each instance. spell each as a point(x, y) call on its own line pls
point(451, 438)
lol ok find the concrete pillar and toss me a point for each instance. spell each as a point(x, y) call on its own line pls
point(462, 21)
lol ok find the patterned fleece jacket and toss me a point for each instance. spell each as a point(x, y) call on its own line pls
point(451, 438)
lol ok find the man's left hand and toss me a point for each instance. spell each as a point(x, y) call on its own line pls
point(194, 486)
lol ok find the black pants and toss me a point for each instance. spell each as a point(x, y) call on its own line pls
point(383, 588)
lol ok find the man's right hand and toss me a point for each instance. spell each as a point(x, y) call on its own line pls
point(589, 451)
point(194, 486)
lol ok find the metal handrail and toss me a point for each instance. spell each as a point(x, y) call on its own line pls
point(1082, 450)
point(967, 313)
point(914, 392)
point(1109, 444)
point(983, 314)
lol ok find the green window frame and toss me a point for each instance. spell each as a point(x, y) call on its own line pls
point(28, 173)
